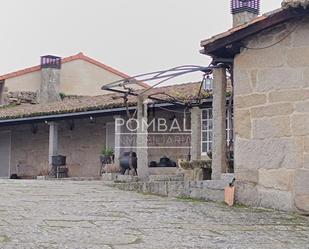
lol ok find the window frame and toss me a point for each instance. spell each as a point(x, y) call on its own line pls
point(208, 130)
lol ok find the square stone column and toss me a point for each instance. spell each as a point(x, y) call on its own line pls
point(142, 137)
point(196, 133)
point(53, 140)
point(118, 131)
point(219, 162)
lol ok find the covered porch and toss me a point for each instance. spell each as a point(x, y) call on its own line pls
point(32, 142)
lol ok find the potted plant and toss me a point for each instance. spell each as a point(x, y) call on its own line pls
point(107, 156)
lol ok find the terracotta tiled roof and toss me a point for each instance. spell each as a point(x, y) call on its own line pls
point(238, 28)
point(79, 56)
point(187, 91)
point(227, 44)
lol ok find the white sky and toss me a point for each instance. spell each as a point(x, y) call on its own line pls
point(134, 36)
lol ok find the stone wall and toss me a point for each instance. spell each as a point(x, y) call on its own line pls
point(81, 141)
point(82, 146)
point(200, 190)
point(272, 119)
point(20, 97)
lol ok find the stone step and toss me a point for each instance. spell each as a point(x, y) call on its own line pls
point(166, 178)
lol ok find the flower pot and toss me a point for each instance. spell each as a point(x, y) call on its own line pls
point(104, 159)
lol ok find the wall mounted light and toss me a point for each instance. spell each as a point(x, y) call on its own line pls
point(34, 128)
point(92, 120)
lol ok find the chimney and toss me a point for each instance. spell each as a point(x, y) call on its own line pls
point(244, 11)
point(50, 79)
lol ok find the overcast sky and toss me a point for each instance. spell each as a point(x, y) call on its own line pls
point(134, 36)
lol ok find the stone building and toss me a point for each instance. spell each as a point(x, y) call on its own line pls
point(80, 127)
point(269, 55)
point(77, 75)
point(52, 87)
point(46, 113)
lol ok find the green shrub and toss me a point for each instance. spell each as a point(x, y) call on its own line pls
point(107, 151)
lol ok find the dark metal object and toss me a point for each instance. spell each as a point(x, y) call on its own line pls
point(59, 170)
point(106, 159)
point(165, 162)
point(50, 61)
point(58, 160)
point(158, 77)
point(128, 161)
point(14, 177)
point(232, 184)
point(153, 164)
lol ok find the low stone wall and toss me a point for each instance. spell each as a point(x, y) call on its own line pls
point(22, 97)
point(203, 190)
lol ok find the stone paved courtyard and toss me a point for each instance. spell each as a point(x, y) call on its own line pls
point(67, 214)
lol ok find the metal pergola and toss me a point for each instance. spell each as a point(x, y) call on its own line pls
point(157, 78)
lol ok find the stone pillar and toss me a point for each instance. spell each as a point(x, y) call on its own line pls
point(118, 130)
point(196, 134)
point(219, 162)
point(53, 140)
point(142, 135)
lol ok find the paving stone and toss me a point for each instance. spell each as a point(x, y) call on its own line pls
point(89, 214)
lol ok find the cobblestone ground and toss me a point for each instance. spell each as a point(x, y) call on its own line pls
point(50, 214)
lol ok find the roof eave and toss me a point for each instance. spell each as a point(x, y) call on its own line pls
point(228, 46)
point(72, 115)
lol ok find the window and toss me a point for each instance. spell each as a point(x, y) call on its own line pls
point(206, 130)
point(207, 124)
